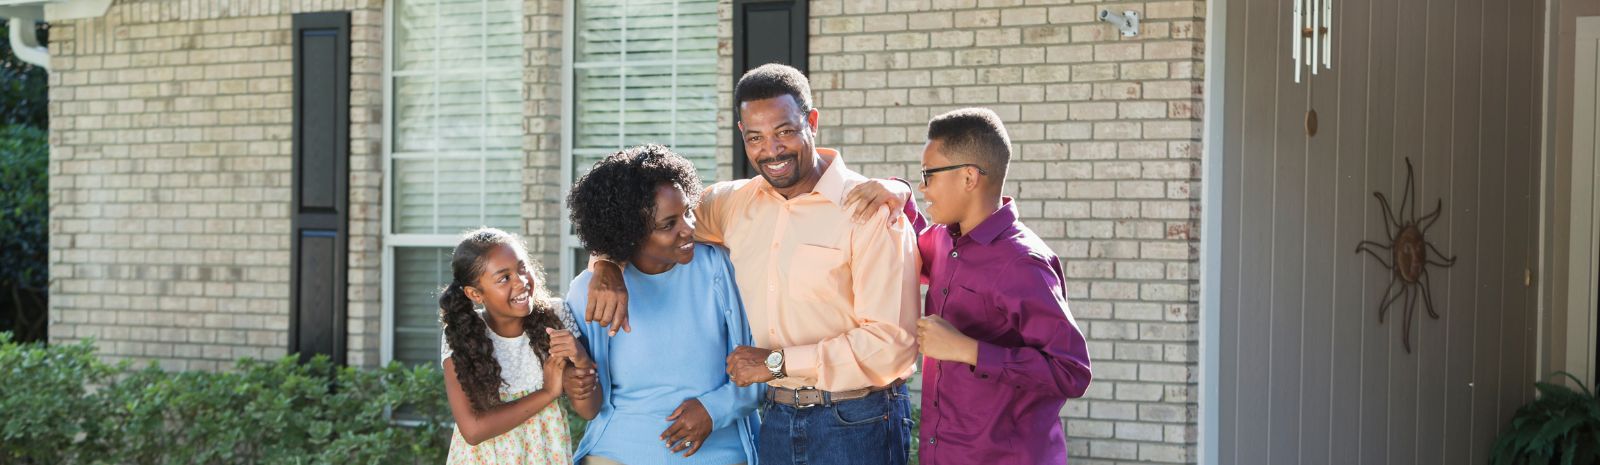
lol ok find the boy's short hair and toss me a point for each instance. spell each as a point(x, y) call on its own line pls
point(772, 80)
point(973, 135)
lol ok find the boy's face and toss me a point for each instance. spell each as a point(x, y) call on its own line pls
point(947, 192)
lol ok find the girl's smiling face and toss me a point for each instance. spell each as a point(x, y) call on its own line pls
point(505, 287)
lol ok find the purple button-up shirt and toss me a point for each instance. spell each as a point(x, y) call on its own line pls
point(999, 284)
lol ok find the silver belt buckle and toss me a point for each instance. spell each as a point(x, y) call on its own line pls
point(796, 398)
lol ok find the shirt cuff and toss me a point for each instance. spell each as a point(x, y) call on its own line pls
point(991, 361)
point(800, 361)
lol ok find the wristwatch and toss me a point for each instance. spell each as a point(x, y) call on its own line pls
point(775, 364)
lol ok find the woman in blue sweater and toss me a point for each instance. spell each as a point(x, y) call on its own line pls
point(666, 397)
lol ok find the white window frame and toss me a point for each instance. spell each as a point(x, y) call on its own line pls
point(569, 241)
point(389, 239)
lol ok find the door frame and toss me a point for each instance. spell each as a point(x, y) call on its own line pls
point(1581, 317)
point(1212, 180)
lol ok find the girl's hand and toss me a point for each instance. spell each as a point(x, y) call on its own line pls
point(554, 374)
point(563, 344)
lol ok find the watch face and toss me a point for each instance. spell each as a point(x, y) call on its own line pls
point(775, 359)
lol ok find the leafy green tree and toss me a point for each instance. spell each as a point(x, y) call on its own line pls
point(24, 231)
point(24, 197)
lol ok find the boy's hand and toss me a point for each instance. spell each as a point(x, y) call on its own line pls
point(608, 297)
point(866, 197)
point(940, 340)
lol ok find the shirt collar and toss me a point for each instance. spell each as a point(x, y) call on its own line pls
point(831, 186)
point(998, 222)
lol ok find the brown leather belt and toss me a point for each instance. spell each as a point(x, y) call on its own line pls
point(810, 397)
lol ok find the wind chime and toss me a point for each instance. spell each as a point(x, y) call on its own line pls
point(1312, 37)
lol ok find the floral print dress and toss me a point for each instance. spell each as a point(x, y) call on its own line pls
point(542, 439)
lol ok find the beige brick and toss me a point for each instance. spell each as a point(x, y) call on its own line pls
point(932, 20)
point(1052, 34)
point(840, 25)
point(949, 39)
point(882, 23)
point(1094, 72)
point(977, 19)
point(906, 41)
point(1023, 16)
point(997, 37)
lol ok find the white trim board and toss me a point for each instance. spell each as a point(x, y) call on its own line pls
point(1583, 269)
point(1211, 186)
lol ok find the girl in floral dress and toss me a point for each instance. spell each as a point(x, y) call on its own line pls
point(505, 365)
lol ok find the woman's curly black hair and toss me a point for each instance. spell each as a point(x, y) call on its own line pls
point(613, 206)
point(468, 335)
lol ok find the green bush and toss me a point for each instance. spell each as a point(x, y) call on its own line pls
point(63, 405)
point(24, 230)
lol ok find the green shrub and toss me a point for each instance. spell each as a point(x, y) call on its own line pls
point(267, 412)
point(45, 402)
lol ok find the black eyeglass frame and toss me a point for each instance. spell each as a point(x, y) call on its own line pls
point(931, 171)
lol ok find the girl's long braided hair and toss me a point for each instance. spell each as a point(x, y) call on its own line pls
point(466, 332)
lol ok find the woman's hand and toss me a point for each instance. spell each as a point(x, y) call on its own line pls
point(579, 383)
point(554, 374)
point(691, 424)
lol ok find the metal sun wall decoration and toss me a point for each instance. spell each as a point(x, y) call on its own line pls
point(1409, 255)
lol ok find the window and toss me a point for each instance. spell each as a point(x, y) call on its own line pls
point(641, 71)
point(454, 154)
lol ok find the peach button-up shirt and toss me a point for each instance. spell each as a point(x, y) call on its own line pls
point(840, 298)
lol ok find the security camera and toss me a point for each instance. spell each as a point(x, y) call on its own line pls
point(1127, 22)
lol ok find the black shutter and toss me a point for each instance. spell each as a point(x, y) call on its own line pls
point(765, 31)
point(319, 212)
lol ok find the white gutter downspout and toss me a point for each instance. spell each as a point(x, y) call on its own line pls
point(25, 43)
point(24, 13)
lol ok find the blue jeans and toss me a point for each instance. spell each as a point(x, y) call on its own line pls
point(873, 430)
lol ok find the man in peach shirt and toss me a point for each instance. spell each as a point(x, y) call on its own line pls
point(832, 302)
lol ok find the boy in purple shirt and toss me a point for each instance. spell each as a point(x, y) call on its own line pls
point(1003, 352)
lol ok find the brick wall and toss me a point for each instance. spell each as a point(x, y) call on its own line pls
point(543, 203)
point(1106, 132)
point(170, 179)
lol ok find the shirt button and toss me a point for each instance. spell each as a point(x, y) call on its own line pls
point(945, 291)
point(774, 246)
point(954, 254)
point(932, 440)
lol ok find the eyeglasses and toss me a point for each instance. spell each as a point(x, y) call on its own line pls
point(927, 173)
